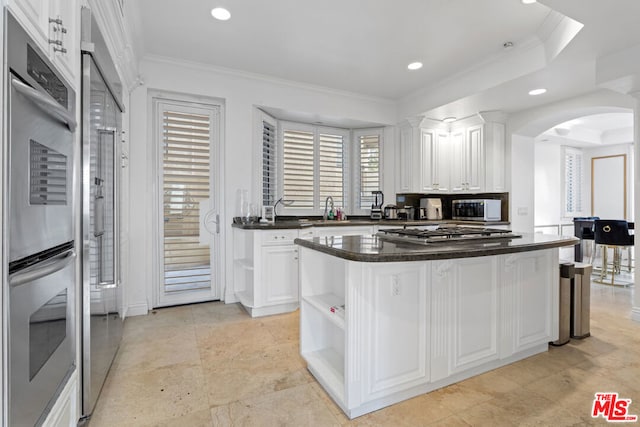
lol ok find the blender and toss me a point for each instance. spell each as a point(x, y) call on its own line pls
point(376, 207)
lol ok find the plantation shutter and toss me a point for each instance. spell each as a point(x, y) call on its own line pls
point(573, 182)
point(298, 168)
point(369, 151)
point(331, 168)
point(268, 164)
point(186, 171)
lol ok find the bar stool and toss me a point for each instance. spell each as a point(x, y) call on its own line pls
point(614, 234)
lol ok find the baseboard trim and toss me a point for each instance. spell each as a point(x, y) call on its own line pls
point(141, 309)
point(635, 314)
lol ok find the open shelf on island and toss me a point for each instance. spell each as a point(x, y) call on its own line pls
point(328, 367)
point(331, 305)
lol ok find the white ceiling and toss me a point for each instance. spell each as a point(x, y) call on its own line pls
point(592, 131)
point(364, 46)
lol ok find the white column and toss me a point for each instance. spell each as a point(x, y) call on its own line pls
point(635, 303)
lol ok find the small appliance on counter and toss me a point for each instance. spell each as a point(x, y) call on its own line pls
point(421, 213)
point(376, 207)
point(391, 212)
point(433, 207)
point(477, 210)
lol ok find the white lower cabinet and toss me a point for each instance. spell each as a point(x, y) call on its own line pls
point(64, 411)
point(464, 304)
point(265, 268)
point(394, 328)
point(280, 274)
point(529, 287)
point(374, 334)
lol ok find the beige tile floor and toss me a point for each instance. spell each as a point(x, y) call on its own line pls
point(212, 365)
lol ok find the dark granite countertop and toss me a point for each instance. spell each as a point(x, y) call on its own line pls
point(294, 223)
point(370, 248)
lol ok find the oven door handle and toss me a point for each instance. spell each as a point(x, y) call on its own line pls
point(45, 103)
point(42, 269)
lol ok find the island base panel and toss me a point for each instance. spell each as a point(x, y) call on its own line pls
point(320, 373)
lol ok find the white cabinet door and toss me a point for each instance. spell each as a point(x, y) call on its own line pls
point(467, 159)
point(394, 333)
point(530, 283)
point(404, 174)
point(441, 162)
point(279, 274)
point(458, 160)
point(474, 152)
point(464, 315)
point(65, 29)
point(53, 20)
point(34, 16)
point(428, 156)
point(434, 161)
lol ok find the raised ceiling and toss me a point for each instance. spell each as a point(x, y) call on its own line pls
point(360, 46)
point(364, 46)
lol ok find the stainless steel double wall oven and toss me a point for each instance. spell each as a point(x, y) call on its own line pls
point(40, 291)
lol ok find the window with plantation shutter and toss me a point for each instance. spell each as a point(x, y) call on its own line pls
point(331, 168)
point(269, 156)
point(298, 168)
point(369, 159)
point(572, 182)
point(314, 166)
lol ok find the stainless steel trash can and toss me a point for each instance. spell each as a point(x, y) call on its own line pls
point(567, 272)
point(581, 301)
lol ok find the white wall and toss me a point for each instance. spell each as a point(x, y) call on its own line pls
point(240, 92)
point(521, 197)
point(548, 184)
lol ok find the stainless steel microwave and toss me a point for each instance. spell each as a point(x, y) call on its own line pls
point(477, 209)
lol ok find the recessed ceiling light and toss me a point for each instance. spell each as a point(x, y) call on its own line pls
point(449, 119)
point(415, 66)
point(528, 1)
point(537, 91)
point(220, 13)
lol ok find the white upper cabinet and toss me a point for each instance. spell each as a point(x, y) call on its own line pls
point(423, 158)
point(64, 31)
point(468, 166)
point(407, 155)
point(469, 158)
point(53, 24)
point(34, 16)
point(434, 161)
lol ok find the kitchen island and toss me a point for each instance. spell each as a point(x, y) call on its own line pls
point(382, 321)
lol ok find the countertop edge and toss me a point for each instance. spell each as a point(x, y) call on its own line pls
point(466, 251)
point(355, 223)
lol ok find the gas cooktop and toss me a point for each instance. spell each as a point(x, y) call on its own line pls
point(445, 234)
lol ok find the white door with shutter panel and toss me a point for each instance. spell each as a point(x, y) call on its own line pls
point(188, 202)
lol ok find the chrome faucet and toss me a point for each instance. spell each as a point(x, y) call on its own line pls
point(326, 202)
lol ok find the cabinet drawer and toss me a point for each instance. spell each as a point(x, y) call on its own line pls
point(279, 237)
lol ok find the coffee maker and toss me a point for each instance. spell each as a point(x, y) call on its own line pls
point(376, 207)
